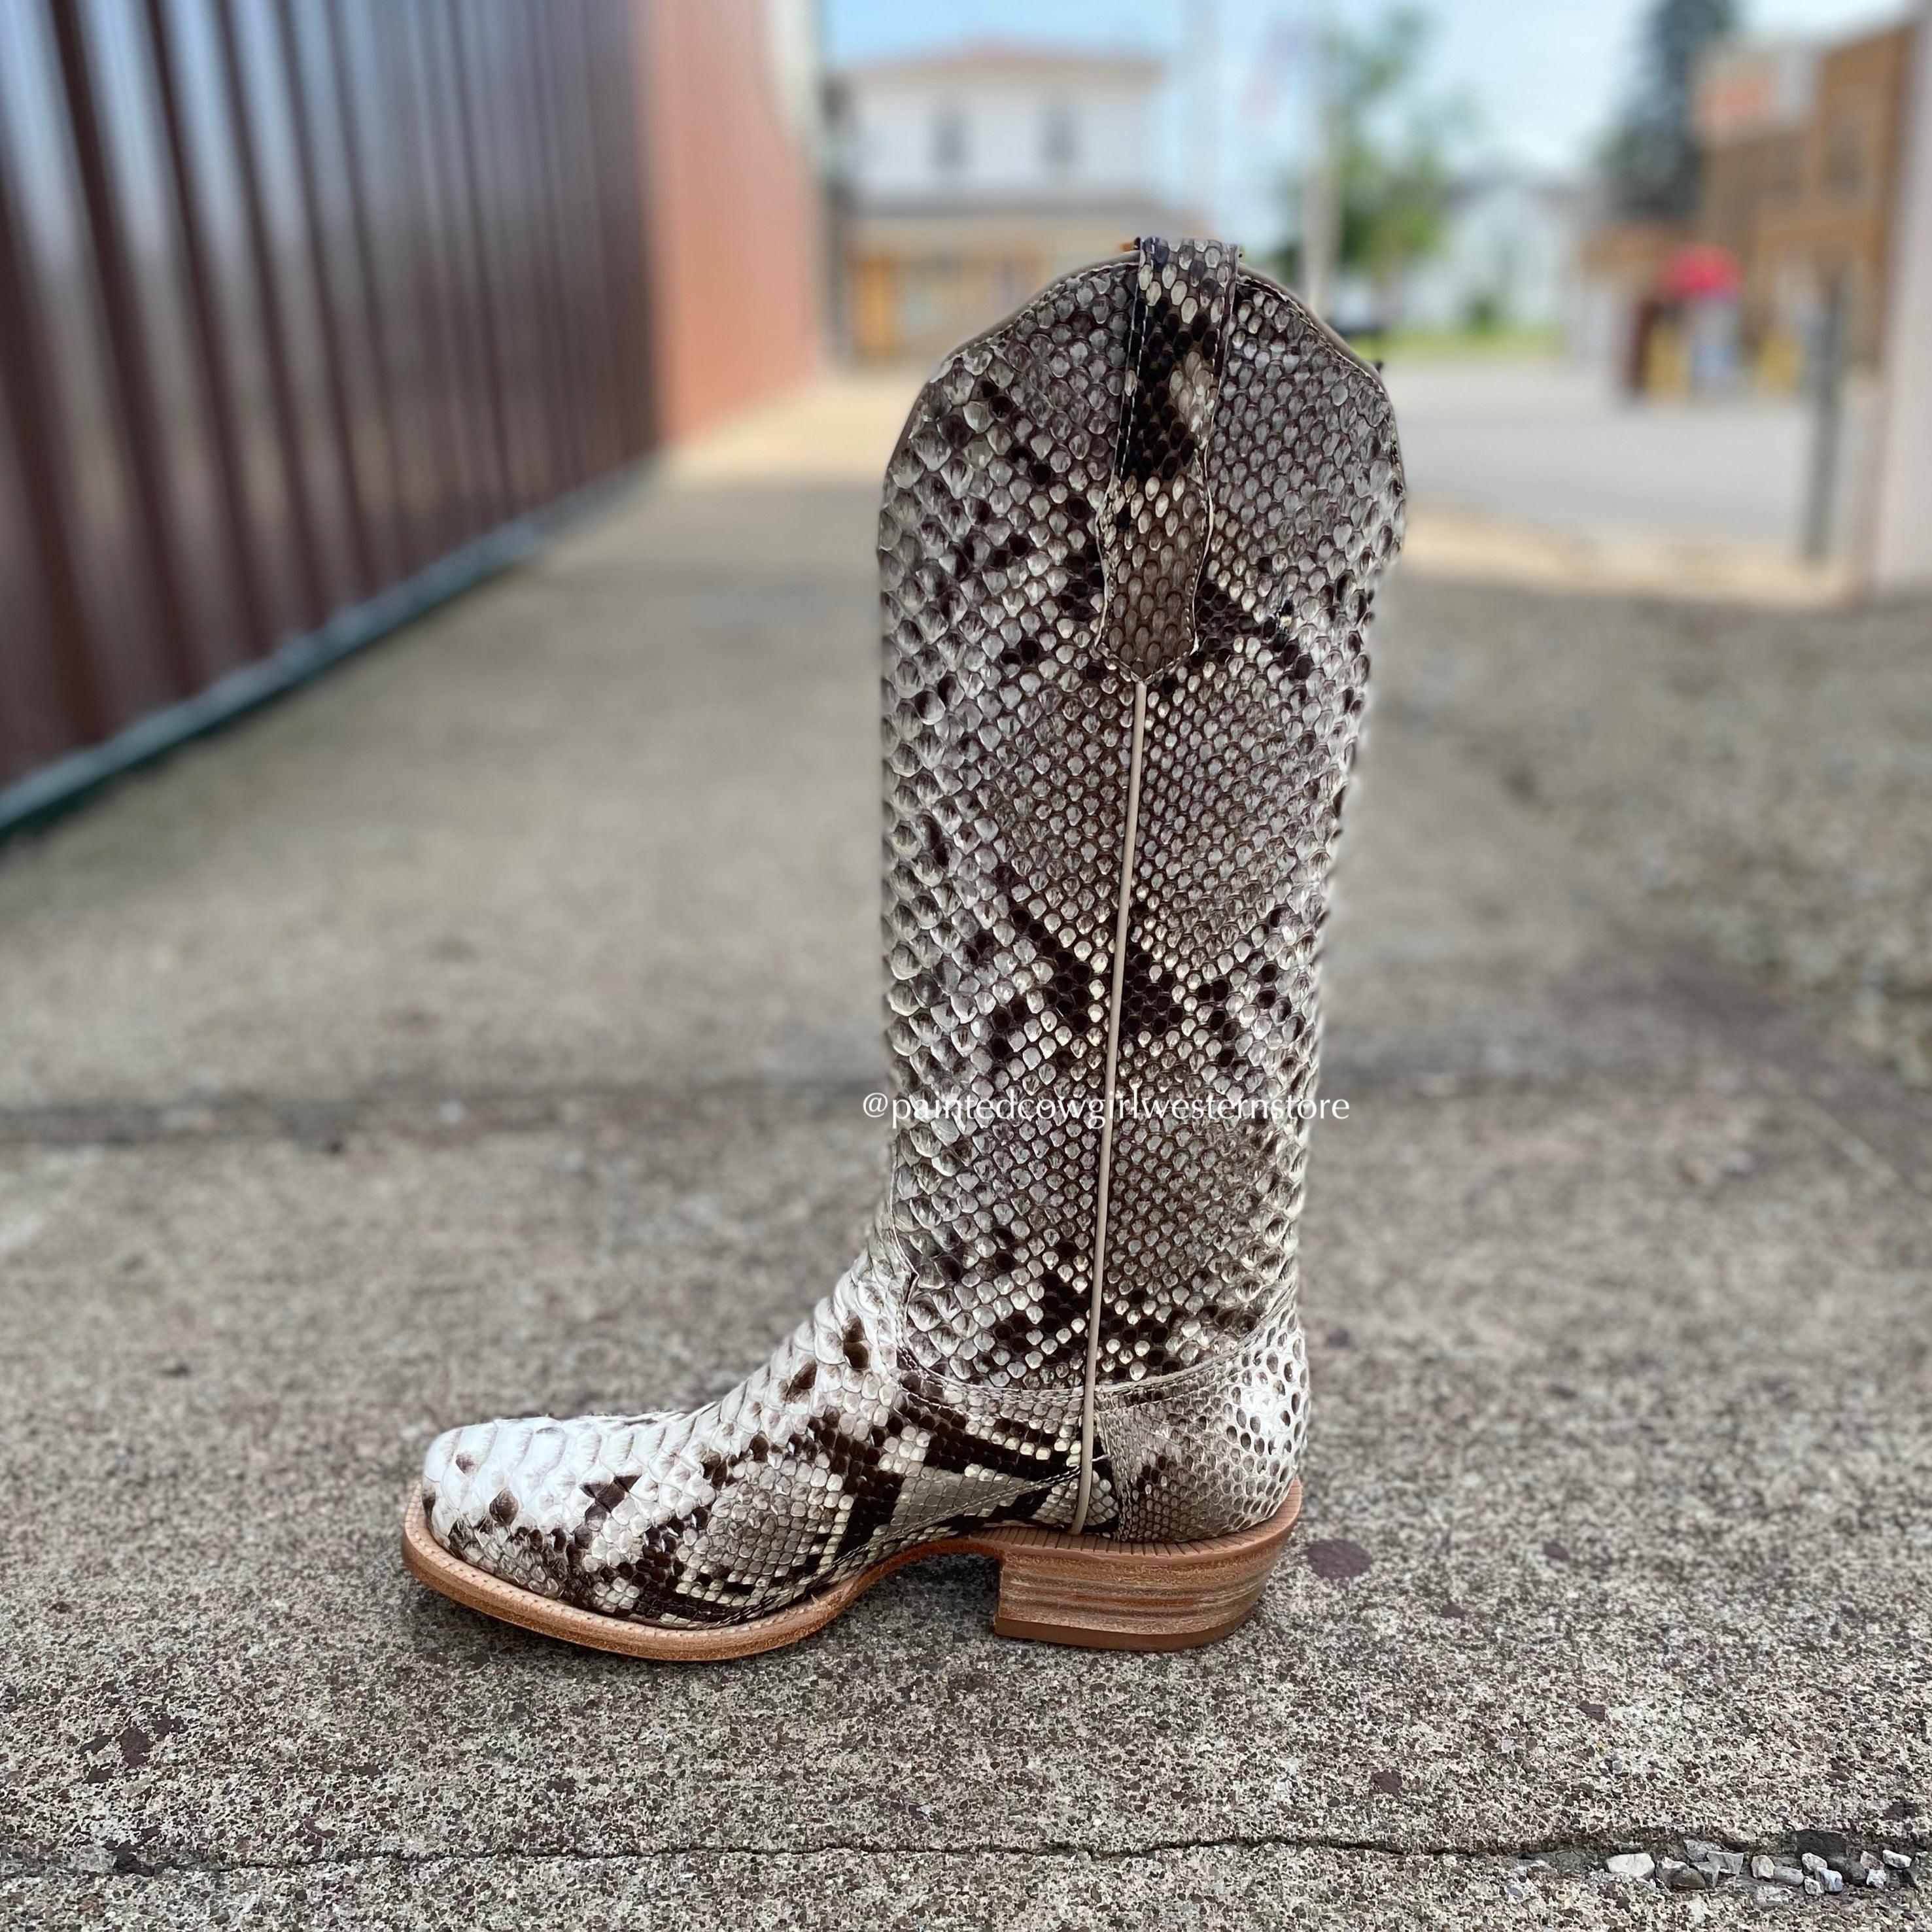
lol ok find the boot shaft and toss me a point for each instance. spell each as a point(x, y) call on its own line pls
point(1129, 543)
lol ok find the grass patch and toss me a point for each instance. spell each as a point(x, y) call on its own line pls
point(1420, 345)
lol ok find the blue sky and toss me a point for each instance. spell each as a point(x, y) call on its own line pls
point(1544, 76)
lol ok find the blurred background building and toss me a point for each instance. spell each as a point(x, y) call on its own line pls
point(728, 103)
point(1506, 258)
point(1803, 148)
point(1799, 146)
point(969, 177)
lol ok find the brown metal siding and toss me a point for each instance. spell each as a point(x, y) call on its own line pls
point(296, 297)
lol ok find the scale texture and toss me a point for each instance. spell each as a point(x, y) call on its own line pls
point(1128, 547)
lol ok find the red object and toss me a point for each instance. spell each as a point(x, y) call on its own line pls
point(1700, 271)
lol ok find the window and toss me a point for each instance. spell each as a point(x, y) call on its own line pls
point(1060, 137)
point(1845, 161)
point(948, 139)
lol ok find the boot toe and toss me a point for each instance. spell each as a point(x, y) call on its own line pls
point(462, 1472)
point(500, 1496)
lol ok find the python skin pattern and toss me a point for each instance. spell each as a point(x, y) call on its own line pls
point(1129, 544)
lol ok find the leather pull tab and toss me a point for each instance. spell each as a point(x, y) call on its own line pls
point(1155, 529)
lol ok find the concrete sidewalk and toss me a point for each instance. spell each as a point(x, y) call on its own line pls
point(488, 1030)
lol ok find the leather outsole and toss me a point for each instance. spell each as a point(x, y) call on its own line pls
point(1054, 1588)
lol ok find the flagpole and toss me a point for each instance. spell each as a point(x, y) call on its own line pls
point(1201, 27)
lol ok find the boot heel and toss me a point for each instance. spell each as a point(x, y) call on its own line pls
point(1134, 1596)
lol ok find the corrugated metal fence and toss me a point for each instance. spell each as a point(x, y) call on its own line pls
point(300, 301)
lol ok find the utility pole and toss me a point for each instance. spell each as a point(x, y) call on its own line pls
point(1320, 222)
point(1828, 402)
point(1202, 25)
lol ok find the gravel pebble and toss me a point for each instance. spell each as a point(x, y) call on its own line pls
point(1630, 1864)
point(1726, 1865)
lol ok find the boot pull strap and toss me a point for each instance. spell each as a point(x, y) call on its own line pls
point(1155, 528)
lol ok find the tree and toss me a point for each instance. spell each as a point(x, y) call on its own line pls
point(1654, 159)
point(1388, 147)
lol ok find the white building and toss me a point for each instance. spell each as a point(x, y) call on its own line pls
point(970, 177)
point(1508, 257)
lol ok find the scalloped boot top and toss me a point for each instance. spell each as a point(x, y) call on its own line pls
point(1128, 546)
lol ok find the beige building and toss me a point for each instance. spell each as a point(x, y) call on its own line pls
point(970, 177)
point(1802, 148)
point(1802, 143)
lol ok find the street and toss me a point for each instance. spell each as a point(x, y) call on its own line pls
point(1549, 443)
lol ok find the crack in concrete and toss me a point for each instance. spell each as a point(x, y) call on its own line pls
point(1581, 1855)
point(404, 1111)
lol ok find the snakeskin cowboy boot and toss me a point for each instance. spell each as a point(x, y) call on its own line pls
point(1129, 543)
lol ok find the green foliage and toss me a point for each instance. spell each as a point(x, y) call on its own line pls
point(1485, 316)
point(1653, 158)
point(1390, 143)
point(1505, 342)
